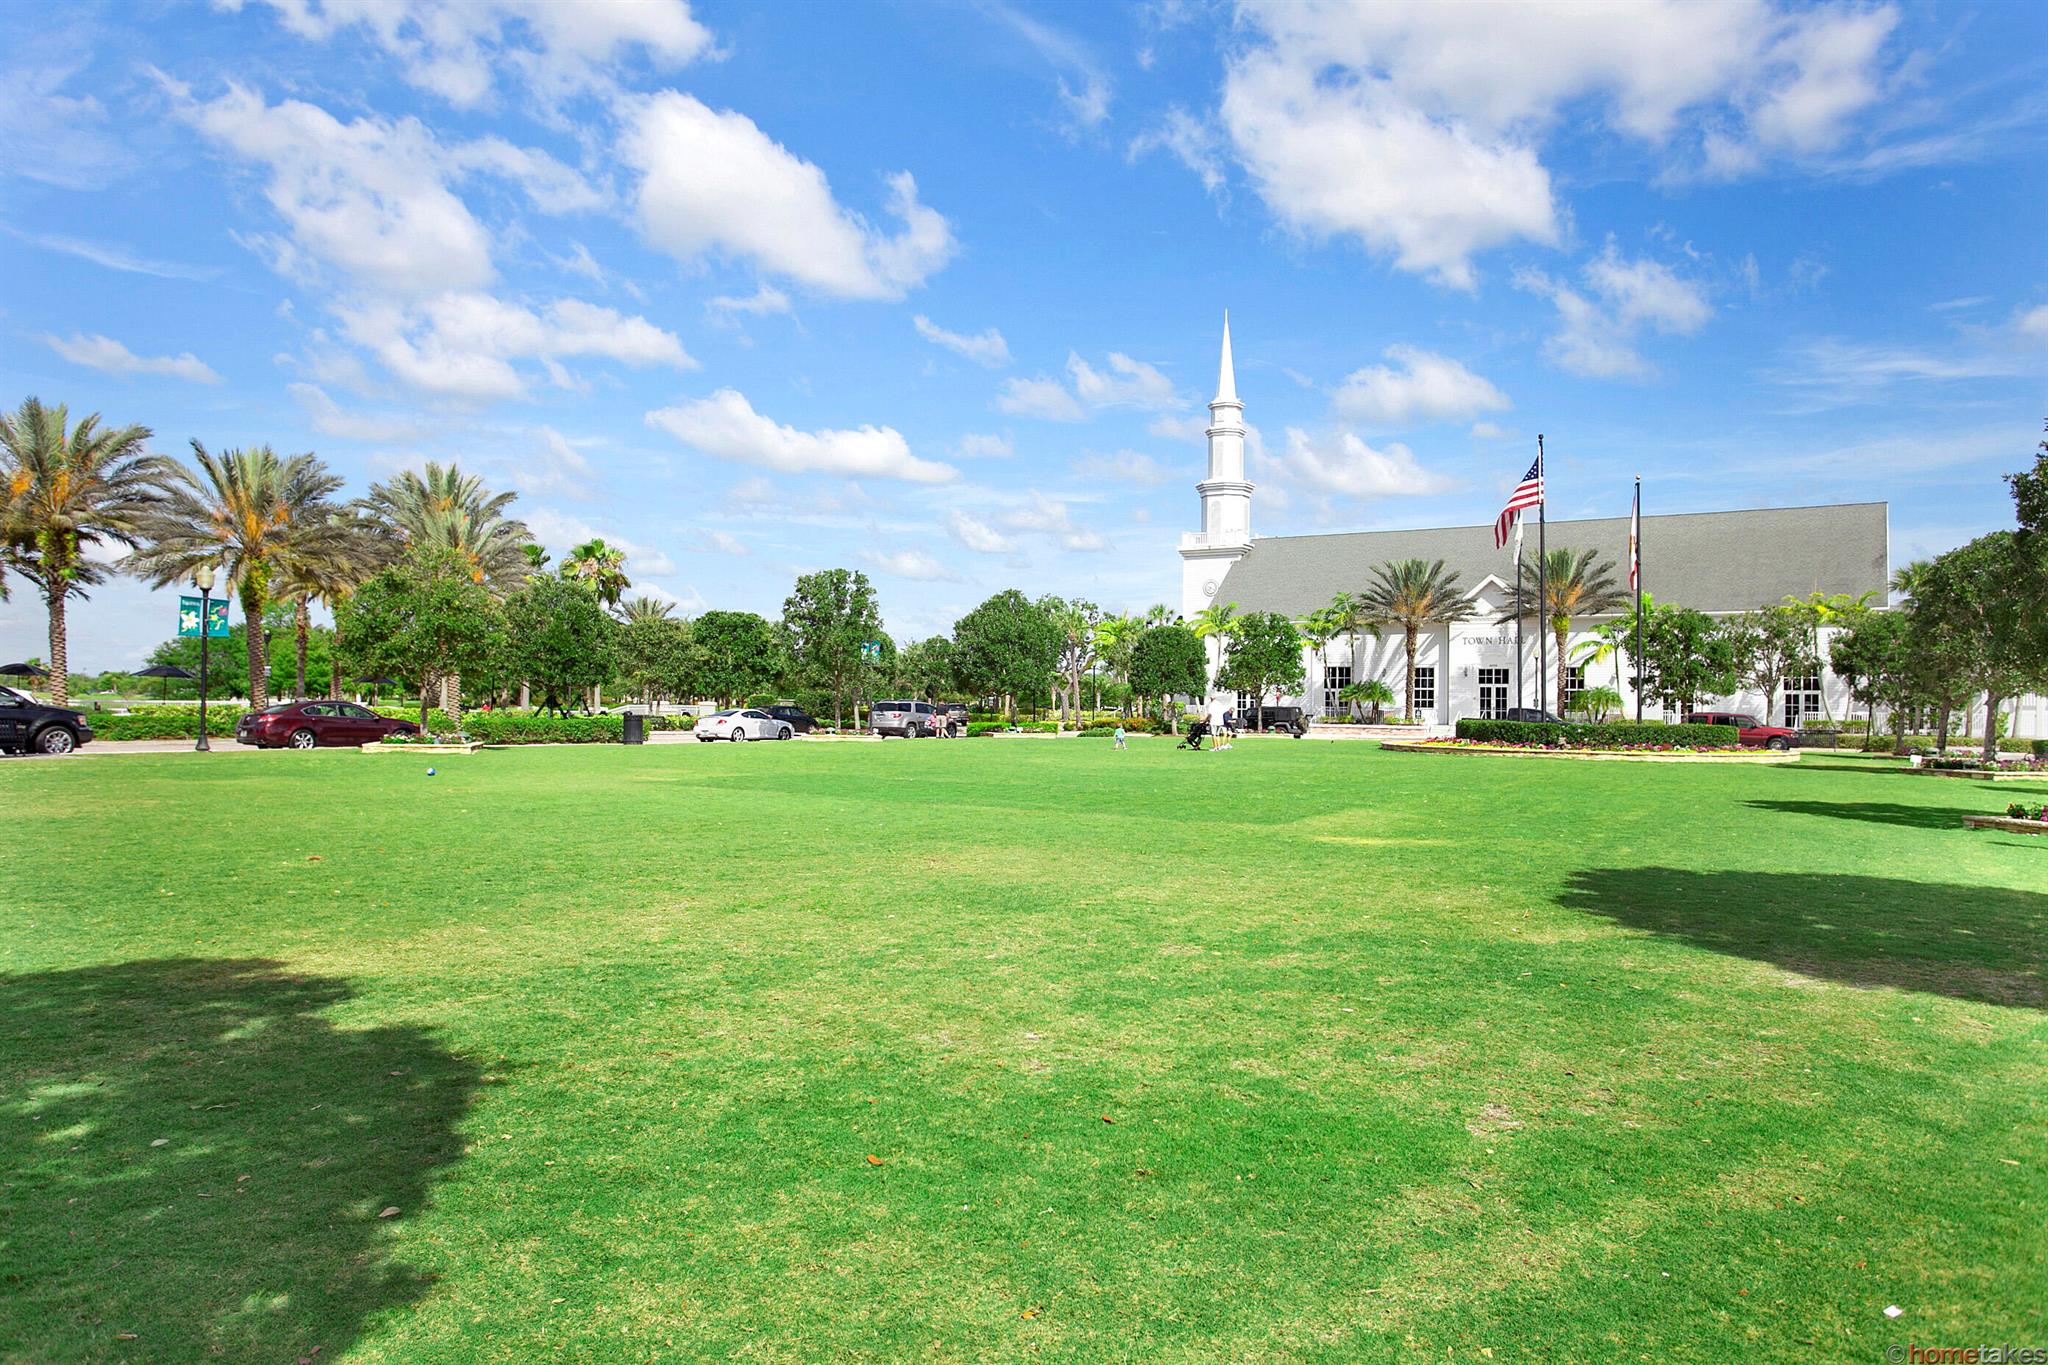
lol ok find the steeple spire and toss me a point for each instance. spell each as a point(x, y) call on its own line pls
point(1226, 377)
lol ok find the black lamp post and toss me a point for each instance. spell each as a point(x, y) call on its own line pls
point(202, 579)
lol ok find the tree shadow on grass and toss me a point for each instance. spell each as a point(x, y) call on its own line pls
point(1877, 812)
point(252, 1233)
point(1977, 943)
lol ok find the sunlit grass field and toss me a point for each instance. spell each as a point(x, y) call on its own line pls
point(1008, 1048)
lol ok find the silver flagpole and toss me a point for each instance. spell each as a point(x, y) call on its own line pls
point(1518, 613)
point(1542, 586)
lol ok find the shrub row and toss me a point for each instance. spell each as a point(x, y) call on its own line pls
point(1613, 735)
point(165, 722)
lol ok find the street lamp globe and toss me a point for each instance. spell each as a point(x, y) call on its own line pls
point(202, 578)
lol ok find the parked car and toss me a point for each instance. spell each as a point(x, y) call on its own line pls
point(740, 726)
point(1755, 734)
point(1534, 713)
point(955, 716)
point(1291, 720)
point(795, 717)
point(316, 724)
point(29, 726)
point(910, 719)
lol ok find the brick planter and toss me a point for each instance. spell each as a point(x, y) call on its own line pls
point(2006, 823)
point(1968, 775)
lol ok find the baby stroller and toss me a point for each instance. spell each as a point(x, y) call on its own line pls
point(1198, 730)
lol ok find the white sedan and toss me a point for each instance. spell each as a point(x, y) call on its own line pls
point(741, 725)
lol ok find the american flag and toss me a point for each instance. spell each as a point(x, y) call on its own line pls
point(1528, 493)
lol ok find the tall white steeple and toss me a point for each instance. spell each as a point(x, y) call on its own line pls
point(1206, 555)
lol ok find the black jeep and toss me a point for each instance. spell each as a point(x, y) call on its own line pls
point(1290, 720)
point(28, 726)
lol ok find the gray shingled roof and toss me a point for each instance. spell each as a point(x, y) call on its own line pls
point(1715, 561)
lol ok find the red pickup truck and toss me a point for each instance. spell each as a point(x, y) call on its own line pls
point(1755, 734)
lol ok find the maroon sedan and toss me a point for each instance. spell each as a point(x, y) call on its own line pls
point(311, 724)
point(1755, 734)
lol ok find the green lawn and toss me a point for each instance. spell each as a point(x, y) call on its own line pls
point(1002, 1048)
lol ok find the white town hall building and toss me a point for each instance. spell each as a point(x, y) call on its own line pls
point(1721, 563)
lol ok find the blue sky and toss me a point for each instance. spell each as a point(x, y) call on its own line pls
point(934, 291)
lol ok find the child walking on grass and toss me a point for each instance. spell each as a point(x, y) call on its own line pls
point(1121, 741)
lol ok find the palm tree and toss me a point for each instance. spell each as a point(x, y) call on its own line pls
point(443, 508)
point(1579, 583)
point(326, 568)
point(645, 608)
point(254, 517)
point(66, 491)
point(1159, 614)
point(1351, 617)
point(1909, 580)
point(1318, 628)
point(1413, 594)
point(600, 565)
point(1373, 692)
point(1215, 622)
point(1115, 638)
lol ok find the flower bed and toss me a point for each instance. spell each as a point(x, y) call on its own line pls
point(2019, 818)
point(1977, 770)
point(1644, 753)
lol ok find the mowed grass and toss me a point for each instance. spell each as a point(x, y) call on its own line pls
point(998, 1049)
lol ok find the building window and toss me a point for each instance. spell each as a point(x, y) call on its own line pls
point(1336, 677)
point(1802, 699)
point(1422, 696)
point(1574, 684)
point(1493, 693)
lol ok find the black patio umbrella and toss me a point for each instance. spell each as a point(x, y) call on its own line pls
point(166, 672)
point(24, 671)
point(377, 685)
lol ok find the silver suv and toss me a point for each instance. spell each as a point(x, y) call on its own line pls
point(911, 719)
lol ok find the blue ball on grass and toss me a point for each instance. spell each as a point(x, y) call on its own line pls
point(430, 772)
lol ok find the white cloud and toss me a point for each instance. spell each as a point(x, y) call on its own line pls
point(726, 426)
point(1420, 386)
point(1490, 431)
point(454, 47)
point(559, 531)
point(761, 303)
point(1830, 373)
point(1050, 517)
point(45, 134)
point(461, 345)
point(985, 348)
point(1596, 335)
point(978, 535)
point(1083, 88)
point(1043, 398)
point(371, 197)
point(914, 564)
point(1418, 128)
point(1124, 383)
point(723, 543)
point(1194, 142)
point(1174, 428)
point(1124, 466)
point(1352, 467)
point(328, 418)
point(713, 181)
point(104, 353)
point(977, 446)
point(552, 466)
point(114, 257)
point(2033, 322)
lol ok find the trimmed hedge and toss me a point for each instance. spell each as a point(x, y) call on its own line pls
point(1613, 735)
point(165, 722)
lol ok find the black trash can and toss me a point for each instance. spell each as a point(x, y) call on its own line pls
point(635, 728)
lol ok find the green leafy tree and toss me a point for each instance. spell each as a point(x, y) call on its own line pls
point(826, 619)
point(257, 519)
point(1820, 611)
point(1686, 656)
point(1212, 625)
point(559, 637)
point(658, 656)
point(1169, 661)
point(426, 616)
point(1075, 621)
point(927, 667)
point(1771, 645)
point(1264, 656)
point(1115, 638)
point(1007, 647)
point(737, 654)
point(1411, 595)
point(1973, 601)
point(1599, 703)
point(64, 490)
point(1871, 658)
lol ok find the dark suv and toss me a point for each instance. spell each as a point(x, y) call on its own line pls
point(795, 717)
point(1290, 720)
point(26, 725)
